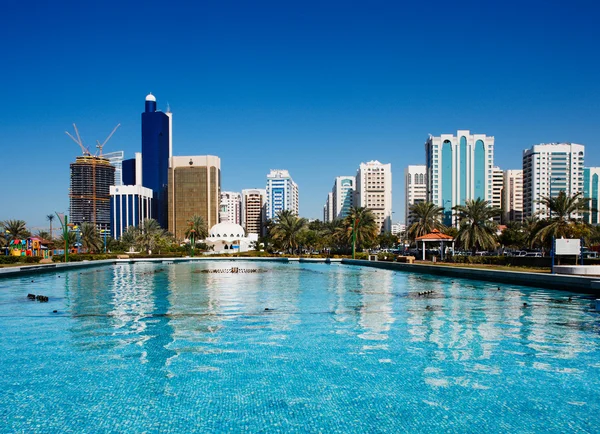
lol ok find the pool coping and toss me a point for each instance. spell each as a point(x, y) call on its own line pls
point(579, 284)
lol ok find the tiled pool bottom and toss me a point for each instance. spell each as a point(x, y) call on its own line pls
point(298, 348)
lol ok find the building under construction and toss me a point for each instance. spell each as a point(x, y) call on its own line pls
point(91, 178)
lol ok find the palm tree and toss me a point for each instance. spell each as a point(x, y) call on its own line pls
point(71, 240)
point(90, 238)
point(196, 226)
point(426, 217)
point(477, 230)
point(287, 229)
point(562, 222)
point(50, 218)
point(44, 235)
point(15, 229)
point(360, 228)
point(149, 235)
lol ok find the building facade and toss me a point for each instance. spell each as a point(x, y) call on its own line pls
point(194, 189)
point(343, 194)
point(459, 168)
point(116, 159)
point(591, 185)
point(254, 205)
point(231, 208)
point(415, 187)
point(512, 196)
point(374, 191)
point(157, 149)
point(328, 208)
point(89, 194)
point(282, 193)
point(547, 170)
point(129, 206)
point(497, 188)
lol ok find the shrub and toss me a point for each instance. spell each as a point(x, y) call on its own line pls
point(20, 259)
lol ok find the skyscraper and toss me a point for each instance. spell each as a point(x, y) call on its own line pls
point(591, 187)
point(129, 206)
point(254, 210)
point(374, 191)
point(156, 151)
point(194, 189)
point(547, 170)
point(282, 193)
point(459, 168)
point(116, 159)
point(328, 208)
point(230, 207)
point(497, 187)
point(89, 195)
point(512, 196)
point(415, 186)
point(343, 196)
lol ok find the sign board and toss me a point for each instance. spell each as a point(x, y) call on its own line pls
point(565, 246)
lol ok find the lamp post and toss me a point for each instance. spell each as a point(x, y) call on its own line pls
point(192, 240)
point(354, 237)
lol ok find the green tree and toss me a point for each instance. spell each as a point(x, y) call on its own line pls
point(387, 240)
point(44, 235)
point(197, 226)
point(71, 240)
point(15, 229)
point(360, 227)
point(287, 229)
point(50, 218)
point(90, 238)
point(563, 221)
point(149, 236)
point(514, 236)
point(476, 229)
point(426, 217)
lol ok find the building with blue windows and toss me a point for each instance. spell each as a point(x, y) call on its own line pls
point(157, 149)
point(591, 185)
point(282, 193)
point(343, 193)
point(129, 206)
point(459, 168)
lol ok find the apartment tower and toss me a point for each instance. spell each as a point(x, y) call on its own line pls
point(254, 210)
point(374, 191)
point(282, 193)
point(415, 188)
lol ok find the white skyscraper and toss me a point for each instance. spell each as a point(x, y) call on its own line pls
point(549, 169)
point(328, 208)
point(374, 191)
point(415, 183)
point(512, 196)
point(116, 159)
point(254, 203)
point(497, 187)
point(230, 208)
point(343, 196)
point(459, 168)
point(282, 193)
point(591, 190)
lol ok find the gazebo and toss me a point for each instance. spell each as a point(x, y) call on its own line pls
point(436, 237)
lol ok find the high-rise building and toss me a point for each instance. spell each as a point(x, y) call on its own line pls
point(547, 170)
point(129, 206)
point(459, 168)
point(398, 228)
point(156, 150)
point(374, 191)
point(512, 196)
point(282, 193)
point(231, 207)
point(328, 208)
point(132, 170)
point(254, 210)
point(343, 196)
point(591, 186)
point(415, 183)
point(116, 159)
point(89, 195)
point(194, 189)
point(497, 187)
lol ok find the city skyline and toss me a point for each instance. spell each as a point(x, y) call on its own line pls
point(314, 90)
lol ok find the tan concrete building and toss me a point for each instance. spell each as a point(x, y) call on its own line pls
point(194, 189)
point(254, 210)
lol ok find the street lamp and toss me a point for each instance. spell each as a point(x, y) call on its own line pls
point(192, 240)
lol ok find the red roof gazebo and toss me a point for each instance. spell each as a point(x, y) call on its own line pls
point(436, 237)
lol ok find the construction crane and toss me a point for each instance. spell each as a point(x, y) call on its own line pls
point(86, 151)
point(100, 146)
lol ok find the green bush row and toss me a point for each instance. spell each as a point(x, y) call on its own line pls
point(19, 259)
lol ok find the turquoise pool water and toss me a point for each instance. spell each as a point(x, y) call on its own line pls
point(296, 348)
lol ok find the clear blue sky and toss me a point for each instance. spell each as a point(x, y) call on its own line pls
point(312, 87)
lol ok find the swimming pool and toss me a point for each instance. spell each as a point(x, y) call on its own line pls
point(293, 348)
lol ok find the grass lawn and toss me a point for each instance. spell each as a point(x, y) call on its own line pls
point(488, 267)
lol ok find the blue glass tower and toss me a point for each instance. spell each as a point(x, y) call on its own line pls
point(156, 150)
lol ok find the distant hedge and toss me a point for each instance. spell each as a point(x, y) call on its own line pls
point(19, 259)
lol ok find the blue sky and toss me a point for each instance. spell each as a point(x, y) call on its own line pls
point(312, 87)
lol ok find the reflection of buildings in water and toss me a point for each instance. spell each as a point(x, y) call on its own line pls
point(346, 295)
point(376, 311)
